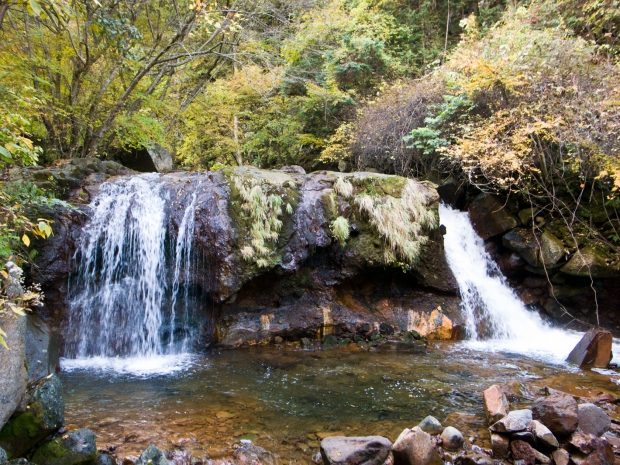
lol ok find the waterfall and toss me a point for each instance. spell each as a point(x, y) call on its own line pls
point(130, 295)
point(496, 319)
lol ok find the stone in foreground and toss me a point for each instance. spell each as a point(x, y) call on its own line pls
point(76, 448)
point(495, 404)
point(452, 439)
point(45, 413)
point(593, 419)
point(431, 425)
point(500, 445)
point(560, 457)
point(594, 349)
point(415, 447)
point(342, 450)
point(543, 435)
point(515, 421)
point(558, 413)
point(521, 450)
point(152, 456)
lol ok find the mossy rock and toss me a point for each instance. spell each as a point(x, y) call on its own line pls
point(591, 261)
point(76, 448)
point(43, 416)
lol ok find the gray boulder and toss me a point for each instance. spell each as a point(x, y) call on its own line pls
point(593, 419)
point(41, 349)
point(12, 365)
point(515, 421)
point(431, 425)
point(162, 158)
point(76, 448)
point(44, 414)
point(341, 450)
point(415, 447)
point(152, 456)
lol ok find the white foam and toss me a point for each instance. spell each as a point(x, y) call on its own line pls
point(155, 365)
point(496, 319)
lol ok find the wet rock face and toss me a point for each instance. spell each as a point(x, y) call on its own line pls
point(341, 450)
point(303, 280)
point(43, 415)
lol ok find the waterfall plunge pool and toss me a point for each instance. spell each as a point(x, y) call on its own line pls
point(286, 400)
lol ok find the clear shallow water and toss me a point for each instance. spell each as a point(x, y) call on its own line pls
point(286, 400)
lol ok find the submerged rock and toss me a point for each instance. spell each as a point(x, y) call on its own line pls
point(415, 447)
point(342, 450)
point(251, 454)
point(558, 413)
point(76, 448)
point(594, 349)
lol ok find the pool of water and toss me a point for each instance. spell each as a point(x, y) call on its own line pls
point(286, 400)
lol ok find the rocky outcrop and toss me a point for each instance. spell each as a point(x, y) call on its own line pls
point(42, 415)
point(304, 281)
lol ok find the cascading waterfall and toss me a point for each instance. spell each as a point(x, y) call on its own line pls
point(496, 319)
point(121, 298)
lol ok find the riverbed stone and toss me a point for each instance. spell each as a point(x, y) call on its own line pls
point(593, 419)
point(75, 448)
point(500, 445)
point(152, 456)
point(543, 435)
point(521, 450)
point(560, 457)
point(452, 438)
point(431, 425)
point(489, 216)
point(14, 376)
point(594, 349)
point(251, 454)
point(342, 450)
point(558, 413)
point(515, 421)
point(415, 447)
point(495, 404)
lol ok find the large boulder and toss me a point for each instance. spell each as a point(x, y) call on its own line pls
point(495, 404)
point(415, 447)
point(342, 450)
point(12, 365)
point(490, 217)
point(76, 448)
point(523, 241)
point(557, 412)
point(41, 349)
point(43, 415)
point(594, 349)
point(593, 419)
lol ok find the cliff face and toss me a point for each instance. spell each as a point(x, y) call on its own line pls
point(284, 253)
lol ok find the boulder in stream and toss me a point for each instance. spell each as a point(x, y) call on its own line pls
point(452, 438)
point(495, 404)
point(415, 447)
point(76, 448)
point(431, 425)
point(44, 414)
point(342, 450)
point(594, 349)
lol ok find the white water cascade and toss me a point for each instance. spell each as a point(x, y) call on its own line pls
point(121, 298)
point(496, 319)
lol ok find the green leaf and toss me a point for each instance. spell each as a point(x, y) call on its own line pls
point(2, 343)
point(35, 7)
point(5, 155)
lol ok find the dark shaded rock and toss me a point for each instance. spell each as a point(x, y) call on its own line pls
point(76, 448)
point(593, 419)
point(451, 194)
point(515, 421)
point(560, 457)
point(152, 456)
point(452, 439)
point(12, 365)
point(105, 459)
point(521, 450)
point(558, 413)
point(543, 435)
point(490, 217)
point(431, 425)
point(341, 450)
point(526, 436)
point(540, 457)
point(500, 445)
point(415, 447)
point(495, 404)
point(594, 349)
point(329, 342)
point(43, 416)
point(523, 241)
point(41, 349)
